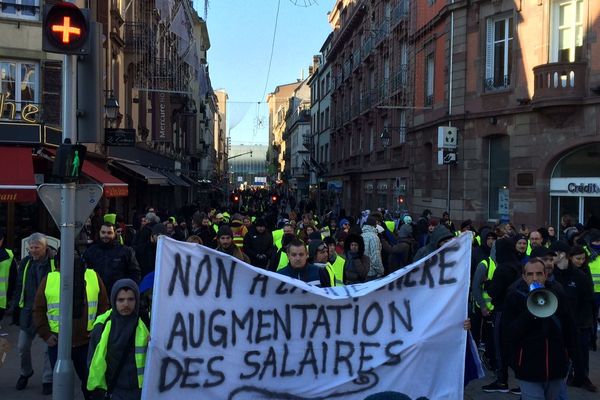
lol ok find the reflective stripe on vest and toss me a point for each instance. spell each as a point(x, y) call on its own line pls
point(239, 241)
point(4, 273)
point(283, 261)
point(595, 270)
point(336, 271)
point(97, 375)
point(52, 292)
point(22, 298)
point(490, 266)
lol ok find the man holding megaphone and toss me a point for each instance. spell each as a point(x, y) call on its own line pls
point(541, 335)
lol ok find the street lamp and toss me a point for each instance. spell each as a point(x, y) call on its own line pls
point(111, 108)
point(385, 138)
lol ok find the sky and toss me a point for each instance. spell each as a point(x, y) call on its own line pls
point(241, 35)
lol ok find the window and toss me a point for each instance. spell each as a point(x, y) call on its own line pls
point(23, 9)
point(498, 57)
point(371, 139)
point(19, 82)
point(429, 77)
point(327, 122)
point(402, 136)
point(498, 177)
point(326, 155)
point(566, 34)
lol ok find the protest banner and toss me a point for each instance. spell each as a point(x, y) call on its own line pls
point(222, 329)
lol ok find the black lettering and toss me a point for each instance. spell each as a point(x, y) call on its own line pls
point(212, 328)
point(286, 326)
point(365, 357)
point(214, 372)
point(324, 348)
point(393, 357)
point(309, 359)
point(260, 278)
point(321, 320)
point(445, 265)
point(261, 324)
point(405, 320)
point(345, 358)
point(255, 365)
point(408, 282)
point(187, 373)
point(204, 263)
point(378, 321)
point(281, 288)
point(338, 315)
point(224, 279)
point(304, 308)
point(285, 372)
point(163, 386)
point(179, 273)
point(195, 343)
point(235, 322)
point(270, 361)
point(426, 276)
point(178, 329)
point(356, 314)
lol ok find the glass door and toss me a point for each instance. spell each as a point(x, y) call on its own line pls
point(562, 206)
point(591, 212)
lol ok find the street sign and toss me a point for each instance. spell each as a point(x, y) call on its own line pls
point(447, 137)
point(86, 198)
point(446, 157)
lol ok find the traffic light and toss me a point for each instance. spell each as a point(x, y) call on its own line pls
point(401, 200)
point(65, 29)
point(68, 162)
point(235, 198)
point(274, 199)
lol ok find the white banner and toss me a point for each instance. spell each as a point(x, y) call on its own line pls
point(222, 329)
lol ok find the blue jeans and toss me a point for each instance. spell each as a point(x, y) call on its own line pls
point(548, 390)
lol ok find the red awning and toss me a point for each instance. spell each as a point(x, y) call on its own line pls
point(17, 183)
point(113, 187)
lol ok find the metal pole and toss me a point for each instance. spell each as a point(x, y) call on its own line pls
point(63, 371)
point(450, 87)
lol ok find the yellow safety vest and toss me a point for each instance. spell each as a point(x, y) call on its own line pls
point(283, 261)
point(490, 265)
point(277, 236)
point(595, 270)
point(477, 240)
point(22, 298)
point(336, 271)
point(52, 292)
point(4, 274)
point(97, 376)
point(391, 225)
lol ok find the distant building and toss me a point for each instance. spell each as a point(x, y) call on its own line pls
point(247, 167)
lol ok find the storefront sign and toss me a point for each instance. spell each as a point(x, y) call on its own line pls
point(119, 137)
point(583, 188)
point(368, 188)
point(382, 187)
point(116, 191)
point(8, 110)
point(161, 117)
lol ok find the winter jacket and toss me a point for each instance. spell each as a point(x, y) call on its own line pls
point(36, 272)
point(508, 270)
point(234, 251)
point(539, 348)
point(439, 233)
point(373, 251)
point(310, 273)
point(357, 265)
point(580, 294)
point(112, 262)
point(259, 247)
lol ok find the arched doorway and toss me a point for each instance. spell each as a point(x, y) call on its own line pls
point(575, 187)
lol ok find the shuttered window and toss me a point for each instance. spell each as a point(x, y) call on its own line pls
point(498, 57)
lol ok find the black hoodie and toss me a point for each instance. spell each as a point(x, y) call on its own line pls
point(508, 270)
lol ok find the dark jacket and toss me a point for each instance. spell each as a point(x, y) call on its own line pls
point(36, 272)
point(580, 294)
point(439, 233)
point(207, 234)
point(146, 257)
point(259, 247)
point(357, 264)
point(508, 270)
point(310, 273)
point(539, 348)
point(112, 262)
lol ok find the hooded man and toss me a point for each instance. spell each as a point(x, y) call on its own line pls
point(258, 244)
point(357, 265)
point(118, 345)
point(439, 236)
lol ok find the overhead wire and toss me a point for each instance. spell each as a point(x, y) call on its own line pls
point(272, 49)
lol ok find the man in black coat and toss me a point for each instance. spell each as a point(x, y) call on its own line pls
point(258, 244)
point(111, 260)
point(539, 348)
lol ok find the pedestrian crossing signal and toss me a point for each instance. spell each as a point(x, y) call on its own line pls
point(68, 162)
point(65, 29)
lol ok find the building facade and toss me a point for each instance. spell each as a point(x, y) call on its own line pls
point(248, 165)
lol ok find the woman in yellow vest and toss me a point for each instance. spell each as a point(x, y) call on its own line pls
point(90, 300)
point(118, 345)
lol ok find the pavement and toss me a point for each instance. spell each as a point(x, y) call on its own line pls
point(9, 374)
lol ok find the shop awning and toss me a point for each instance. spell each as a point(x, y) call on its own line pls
point(150, 176)
point(174, 179)
point(17, 183)
point(113, 187)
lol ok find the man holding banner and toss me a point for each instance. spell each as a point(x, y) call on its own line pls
point(223, 329)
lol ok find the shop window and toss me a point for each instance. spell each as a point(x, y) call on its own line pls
point(566, 31)
point(19, 82)
point(498, 176)
point(21, 9)
point(498, 57)
point(582, 162)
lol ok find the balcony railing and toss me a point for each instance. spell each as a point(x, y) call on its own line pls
point(559, 83)
point(399, 13)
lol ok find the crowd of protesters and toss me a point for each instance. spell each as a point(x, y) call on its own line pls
point(116, 261)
